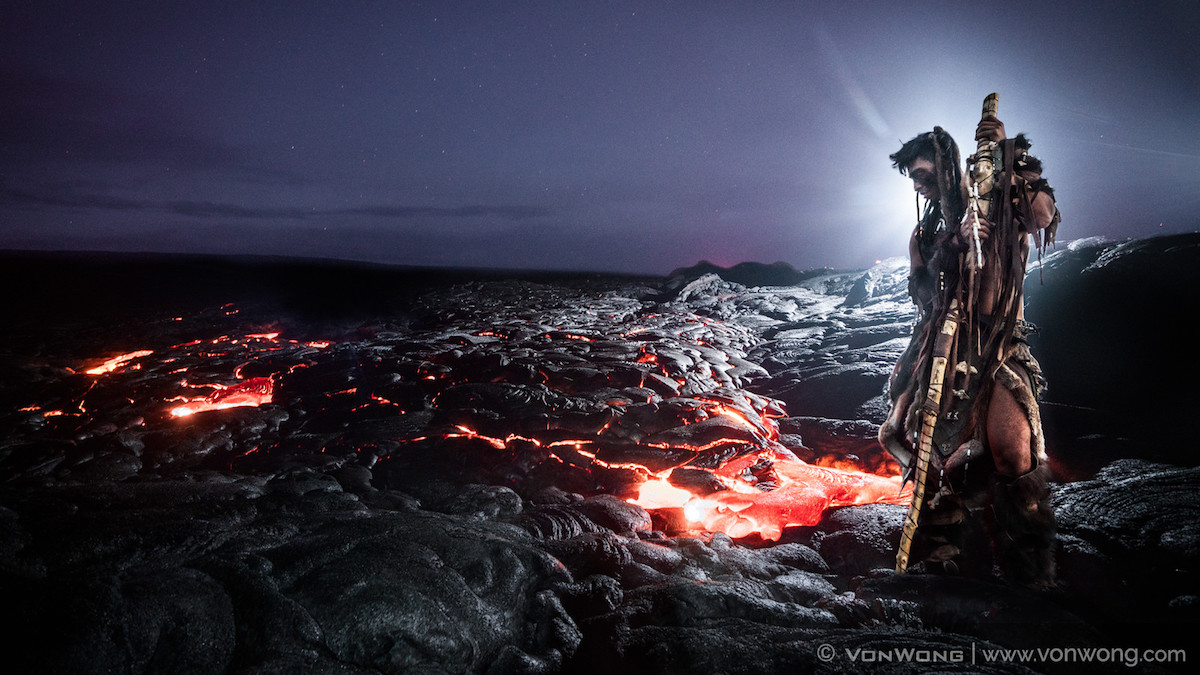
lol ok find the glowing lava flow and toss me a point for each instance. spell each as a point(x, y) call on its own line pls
point(117, 362)
point(799, 496)
point(803, 494)
point(760, 491)
point(253, 392)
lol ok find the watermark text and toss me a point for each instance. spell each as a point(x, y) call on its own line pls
point(975, 654)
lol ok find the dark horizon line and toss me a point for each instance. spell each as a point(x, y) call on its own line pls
point(282, 260)
point(102, 256)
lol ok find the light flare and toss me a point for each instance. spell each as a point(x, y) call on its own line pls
point(657, 493)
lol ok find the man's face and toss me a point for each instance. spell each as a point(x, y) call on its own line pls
point(924, 181)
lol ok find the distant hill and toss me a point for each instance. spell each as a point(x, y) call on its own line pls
point(748, 274)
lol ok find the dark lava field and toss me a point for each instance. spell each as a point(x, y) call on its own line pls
point(216, 465)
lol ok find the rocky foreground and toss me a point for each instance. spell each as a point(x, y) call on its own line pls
point(219, 466)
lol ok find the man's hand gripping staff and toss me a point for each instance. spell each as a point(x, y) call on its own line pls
point(984, 161)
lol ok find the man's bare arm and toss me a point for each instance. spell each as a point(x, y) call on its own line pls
point(1043, 210)
point(915, 261)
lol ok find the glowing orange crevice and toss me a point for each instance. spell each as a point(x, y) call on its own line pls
point(799, 493)
point(802, 495)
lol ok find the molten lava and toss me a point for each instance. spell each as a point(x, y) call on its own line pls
point(253, 392)
point(762, 492)
point(118, 362)
point(758, 487)
point(802, 495)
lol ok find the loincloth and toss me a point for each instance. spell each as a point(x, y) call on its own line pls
point(961, 460)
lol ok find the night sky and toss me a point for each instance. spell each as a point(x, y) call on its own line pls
point(605, 136)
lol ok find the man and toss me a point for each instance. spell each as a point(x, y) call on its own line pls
point(988, 450)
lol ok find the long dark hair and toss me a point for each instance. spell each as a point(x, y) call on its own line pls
point(939, 148)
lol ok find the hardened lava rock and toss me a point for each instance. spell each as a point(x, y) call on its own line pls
point(437, 478)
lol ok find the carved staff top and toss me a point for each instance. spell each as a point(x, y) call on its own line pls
point(983, 172)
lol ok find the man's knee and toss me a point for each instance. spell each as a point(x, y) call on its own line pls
point(1013, 464)
point(1009, 435)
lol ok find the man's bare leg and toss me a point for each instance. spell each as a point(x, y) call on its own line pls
point(1024, 521)
point(1008, 434)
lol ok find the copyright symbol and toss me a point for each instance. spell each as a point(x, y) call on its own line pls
point(826, 652)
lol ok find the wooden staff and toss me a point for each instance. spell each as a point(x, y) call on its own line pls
point(987, 155)
point(943, 348)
